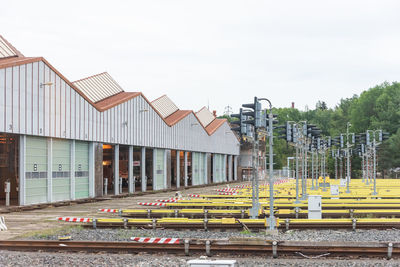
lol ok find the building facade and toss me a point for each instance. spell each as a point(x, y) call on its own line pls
point(62, 140)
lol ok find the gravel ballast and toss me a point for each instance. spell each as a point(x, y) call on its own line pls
point(291, 235)
point(13, 258)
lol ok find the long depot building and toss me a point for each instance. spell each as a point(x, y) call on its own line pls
point(62, 140)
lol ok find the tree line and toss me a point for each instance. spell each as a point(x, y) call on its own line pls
point(374, 109)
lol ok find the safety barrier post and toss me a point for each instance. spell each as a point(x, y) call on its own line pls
point(105, 186)
point(390, 250)
point(187, 247)
point(7, 189)
point(274, 249)
point(208, 248)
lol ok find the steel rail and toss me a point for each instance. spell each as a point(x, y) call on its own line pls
point(186, 247)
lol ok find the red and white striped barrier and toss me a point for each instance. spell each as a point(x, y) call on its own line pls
point(226, 190)
point(156, 240)
point(152, 204)
point(172, 200)
point(74, 219)
point(193, 195)
point(109, 210)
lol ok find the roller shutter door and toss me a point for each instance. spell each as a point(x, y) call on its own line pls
point(202, 168)
point(195, 168)
point(36, 170)
point(81, 169)
point(159, 169)
point(61, 161)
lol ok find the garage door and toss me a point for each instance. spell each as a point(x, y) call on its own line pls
point(195, 168)
point(36, 170)
point(81, 170)
point(159, 169)
point(61, 182)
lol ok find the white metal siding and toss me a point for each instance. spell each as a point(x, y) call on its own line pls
point(61, 110)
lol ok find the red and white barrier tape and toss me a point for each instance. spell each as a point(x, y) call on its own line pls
point(74, 219)
point(152, 204)
point(226, 190)
point(193, 195)
point(109, 210)
point(156, 240)
point(167, 200)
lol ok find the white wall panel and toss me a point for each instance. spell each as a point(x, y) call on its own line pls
point(8, 98)
point(28, 107)
point(2, 99)
point(22, 99)
point(15, 101)
point(35, 99)
point(61, 112)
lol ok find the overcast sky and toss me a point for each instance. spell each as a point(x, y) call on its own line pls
point(217, 52)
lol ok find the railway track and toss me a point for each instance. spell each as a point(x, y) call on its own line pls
point(212, 247)
point(233, 223)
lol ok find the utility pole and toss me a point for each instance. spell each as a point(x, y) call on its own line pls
point(271, 169)
point(336, 170)
point(312, 168)
point(297, 164)
point(348, 158)
point(323, 169)
point(317, 169)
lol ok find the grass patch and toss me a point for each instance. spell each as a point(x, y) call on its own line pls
point(247, 232)
point(46, 233)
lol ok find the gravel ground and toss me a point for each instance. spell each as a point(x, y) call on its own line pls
point(79, 233)
point(12, 258)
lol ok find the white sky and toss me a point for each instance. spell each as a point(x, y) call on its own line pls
point(221, 52)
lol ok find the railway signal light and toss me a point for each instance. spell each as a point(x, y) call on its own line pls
point(341, 141)
point(367, 139)
point(363, 138)
point(286, 131)
point(335, 141)
point(242, 127)
point(329, 142)
point(255, 114)
point(294, 134)
point(383, 136)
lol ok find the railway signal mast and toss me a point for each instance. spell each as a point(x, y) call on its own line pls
point(252, 122)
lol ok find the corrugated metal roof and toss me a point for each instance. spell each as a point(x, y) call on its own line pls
point(177, 116)
point(6, 50)
point(214, 125)
point(164, 106)
point(98, 87)
point(205, 116)
point(115, 100)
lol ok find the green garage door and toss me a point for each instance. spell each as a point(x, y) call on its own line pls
point(61, 170)
point(36, 170)
point(218, 168)
point(195, 168)
point(159, 169)
point(201, 168)
point(81, 170)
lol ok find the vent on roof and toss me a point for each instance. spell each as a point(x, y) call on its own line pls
point(6, 50)
point(98, 87)
point(164, 106)
point(205, 116)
